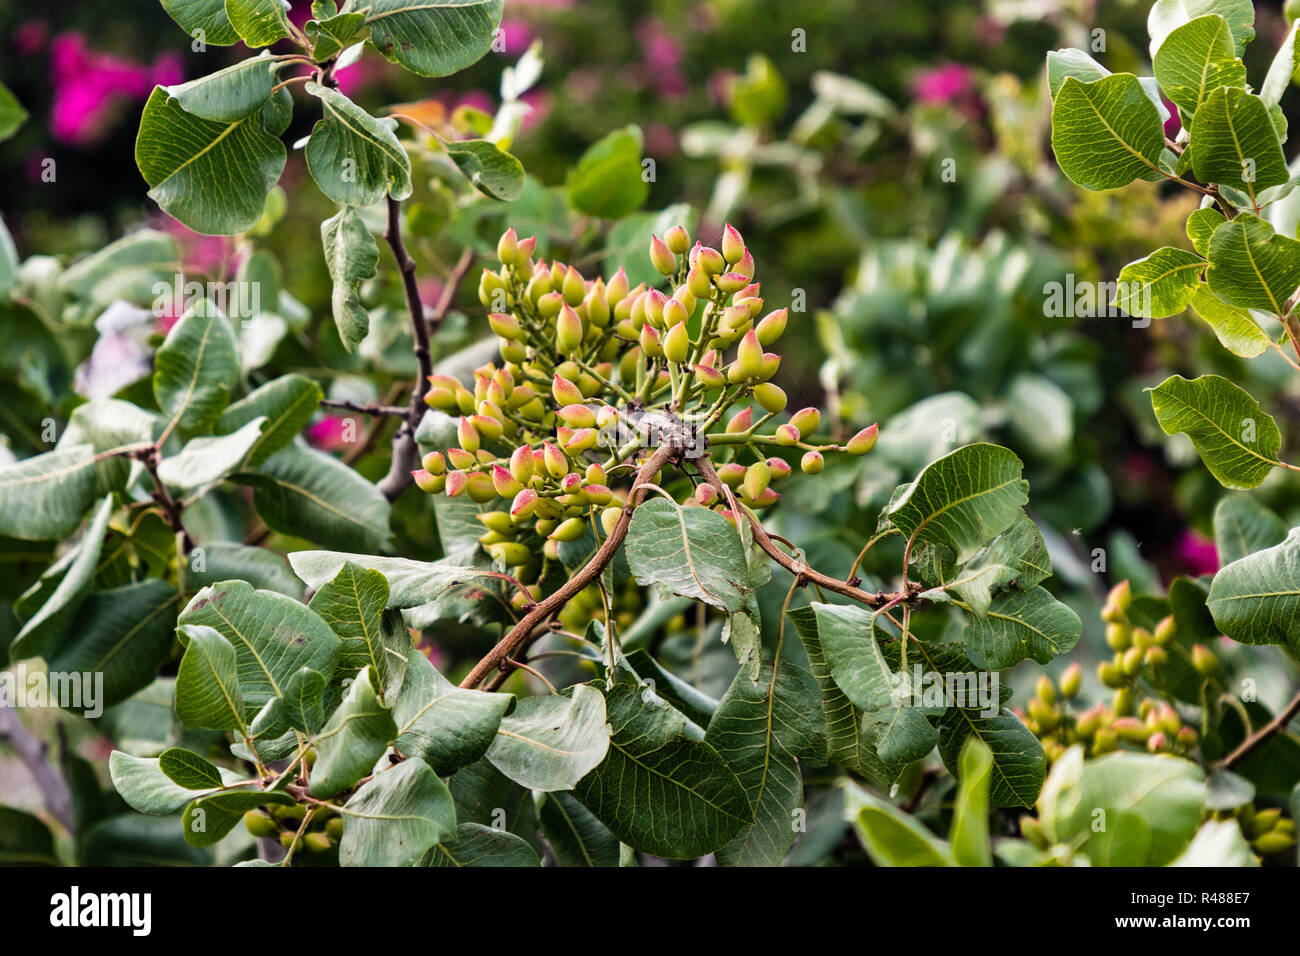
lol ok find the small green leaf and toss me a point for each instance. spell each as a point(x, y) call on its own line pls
point(208, 819)
point(1019, 764)
point(477, 845)
point(196, 367)
point(1254, 599)
point(575, 836)
point(491, 170)
point(608, 180)
point(12, 114)
point(25, 840)
point(44, 498)
point(353, 739)
point(141, 782)
point(207, 683)
point(1253, 267)
point(351, 257)
point(353, 605)
point(1236, 439)
point(259, 22)
point(287, 402)
point(1020, 624)
point(1195, 59)
point(396, 818)
point(355, 158)
point(1200, 227)
point(1167, 15)
point(1236, 329)
point(1160, 284)
point(1236, 142)
point(1243, 526)
point(969, 834)
point(434, 37)
point(444, 725)
point(890, 836)
point(229, 94)
point(1106, 133)
point(1281, 70)
point(692, 552)
point(550, 743)
point(204, 20)
point(189, 770)
point(208, 461)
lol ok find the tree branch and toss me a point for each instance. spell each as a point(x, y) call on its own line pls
point(32, 752)
point(171, 508)
point(542, 611)
point(1252, 742)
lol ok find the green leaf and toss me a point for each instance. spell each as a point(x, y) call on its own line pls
point(273, 637)
point(229, 94)
point(1236, 439)
point(351, 257)
point(12, 114)
point(434, 37)
point(1020, 624)
point(189, 770)
point(43, 633)
point(1236, 329)
point(304, 703)
point(658, 790)
point(208, 16)
point(287, 402)
point(223, 560)
point(331, 34)
point(353, 605)
point(1195, 59)
point(110, 424)
point(353, 739)
point(136, 261)
point(1106, 133)
point(354, 157)
point(1167, 15)
point(307, 493)
point(1218, 843)
point(762, 729)
point(442, 724)
point(259, 22)
point(44, 498)
point(25, 840)
point(692, 552)
point(1019, 764)
point(209, 819)
point(848, 640)
point(608, 180)
point(208, 461)
point(1253, 267)
point(1123, 809)
point(550, 743)
point(1159, 285)
point(1236, 142)
point(1200, 227)
point(410, 583)
point(575, 836)
point(1281, 70)
point(141, 782)
point(1255, 600)
point(212, 176)
point(1243, 526)
point(890, 836)
point(397, 817)
point(196, 367)
point(491, 170)
point(694, 703)
point(125, 633)
point(969, 834)
point(963, 499)
point(477, 845)
point(207, 684)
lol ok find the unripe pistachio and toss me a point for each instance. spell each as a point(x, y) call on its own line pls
point(1156, 657)
point(676, 342)
point(506, 326)
point(498, 521)
point(509, 553)
point(1119, 636)
point(594, 475)
point(678, 240)
point(1123, 702)
point(757, 477)
point(709, 377)
point(1046, 690)
point(577, 416)
point(1132, 665)
point(697, 280)
point(557, 463)
point(1120, 596)
point(1071, 680)
point(686, 297)
point(1169, 720)
point(1187, 736)
point(506, 485)
point(456, 481)
point(609, 518)
point(812, 463)
point(745, 267)
point(287, 838)
point(661, 257)
point(787, 435)
point(741, 421)
point(650, 343)
point(571, 529)
point(735, 321)
point(1089, 721)
point(490, 288)
point(259, 824)
point(568, 330)
point(526, 249)
point(441, 399)
point(706, 495)
point(730, 282)
point(636, 313)
point(655, 301)
point(466, 401)
point(596, 307)
point(771, 362)
point(1104, 741)
point(1043, 714)
point(574, 287)
point(1273, 842)
point(1142, 638)
point(1032, 831)
point(1203, 660)
point(565, 392)
point(675, 313)
point(733, 244)
point(749, 356)
point(771, 397)
point(508, 247)
point(731, 474)
point(1157, 742)
point(521, 464)
point(597, 494)
point(478, 488)
point(772, 326)
point(863, 441)
point(768, 498)
point(512, 351)
point(550, 304)
point(524, 503)
point(488, 428)
point(584, 439)
point(467, 435)
point(617, 289)
point(551, 549)
point(461, 459)
point(1131, 730)
point(1109, 674)
point(605, 417)
point(434, 463)
point(1165, 631)
point(708, 259)
point(780, 468)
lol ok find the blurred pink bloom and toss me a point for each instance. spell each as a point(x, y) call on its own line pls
point(121, 355)
point(87, 85)
point(1197, 553)
point(430, 290)
point(1174, 124)
point(661, 57)
point(516, 35)
point(540, 101)
point(357, 76)
point(475, 99)
point(720, 86)
point(660, 140)
point(30, 37)
point(209, 255)
point(945, 84)
point(327, 433)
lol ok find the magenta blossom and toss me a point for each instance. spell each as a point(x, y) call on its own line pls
point(209, 255)
point(515, 37)
point(88, 85)
point(948, 84)
point(328, 433)
point(661, 57)
point(1196, 553)
point(30, 37)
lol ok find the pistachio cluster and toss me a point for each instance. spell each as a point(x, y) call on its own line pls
point(324, 829)
point(594, 374)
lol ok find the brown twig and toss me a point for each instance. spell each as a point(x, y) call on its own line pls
point(171, 508)
point(369, 408)
point(32, 752)
point(1254, 740)
point(542, 612)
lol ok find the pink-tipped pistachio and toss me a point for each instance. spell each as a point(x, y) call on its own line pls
point(577, 416)
point(506, 485)
point(730, 282)
point(676, 342)
point(568, 330)
point(678, 240)
point(506, 325)
point(706, 495)
point(467, 435)
point(571, 529)
point(655, 301)
point(709, 377)
point(733, 244)
point(521, 464)
point(617, 288)
point(557, 463)
point(675, 313)
point(461, 459)
point(650, 343)
point(584, 439)
point(478, 488)
point(770, 397)
point(508, 247)
point(709, 259)
point(573, 287)
point(524, 503)
point(787, 435)
point(749, 356)
point(772, 326)
point(487, 426)
point(780, 468)
point(565, 392)
point(661, 257)
point(697, 280)
point(740, 421)
point(757, 477)
point(731, 474)
point(429, 483)
point(812, 463)
point(456, 481)
point(609, 518)
point(863, 441)
point(434, 463)
point(806, 421)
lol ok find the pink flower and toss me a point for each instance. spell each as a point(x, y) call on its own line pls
point(327, 433)
point(1196, 553)
point(1172, 125)
point(209, 255)
point(661, 57)
point(516, 36)
point(945, 84)
point(30, 37)
point(88, 85)
point(539, 103)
